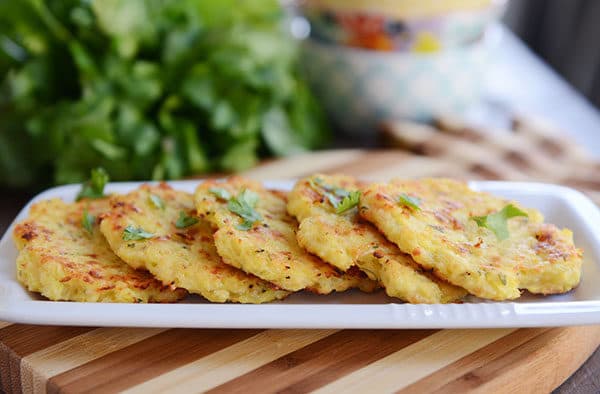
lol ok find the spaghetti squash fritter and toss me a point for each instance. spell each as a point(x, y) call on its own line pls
point(64, 257)
point(345, 240)
point(488, 245)
point(255, 233)
point(156, 227)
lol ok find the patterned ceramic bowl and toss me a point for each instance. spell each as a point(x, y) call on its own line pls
point(386, 26)
point(360, 88)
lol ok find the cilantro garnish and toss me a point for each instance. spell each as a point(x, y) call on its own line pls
point(243, 205)
point(348, 202)
point(342, 200)
point(411, 202)
point(497, 222)
point(88, 220)
point(185, 221)
point(132, 233)
point(157, 201)
point(220, 193)
point(94, 187)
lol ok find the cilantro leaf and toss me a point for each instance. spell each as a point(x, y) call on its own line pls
point(157, 201)
point(319, 187)
point(148, 89)
point(220, 193)
point(243, 205)
point(185, 221)
point(341, 199)
point(94, 187)
point(88, 220)
point(348, 202)
point(497, 222)
point(408, 201)
point(245, 225)
point(132, 233)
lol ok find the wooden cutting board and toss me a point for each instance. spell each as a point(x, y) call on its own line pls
point(74, 359)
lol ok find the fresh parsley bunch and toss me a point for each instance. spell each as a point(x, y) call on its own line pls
point(147, 89)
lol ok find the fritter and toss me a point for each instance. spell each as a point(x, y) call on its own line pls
point(255, 234)
point(490, 246)
point(346, 240)
point(156, 227)
point(64, 256)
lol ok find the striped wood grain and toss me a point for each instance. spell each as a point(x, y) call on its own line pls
point(294, 361)
point(38, 367)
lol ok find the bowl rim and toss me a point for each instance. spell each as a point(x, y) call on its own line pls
point(384, 8)
point(491, 37)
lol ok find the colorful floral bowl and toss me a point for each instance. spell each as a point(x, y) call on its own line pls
point(360, 88)
point(396, 26)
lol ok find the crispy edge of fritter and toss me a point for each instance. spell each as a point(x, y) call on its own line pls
point(559, 268)
point(397, 272)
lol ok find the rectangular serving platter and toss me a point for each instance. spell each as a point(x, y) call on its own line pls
point(563, 206)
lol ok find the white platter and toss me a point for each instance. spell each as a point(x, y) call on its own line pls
point(562, 206)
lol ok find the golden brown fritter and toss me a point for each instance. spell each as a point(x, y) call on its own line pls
point(261, 238)
point(345, 240)
point(63, 260)
point(435, 221)
point(178, 247)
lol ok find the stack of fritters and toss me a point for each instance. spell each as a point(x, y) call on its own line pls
point(345, 240)
point(469, 238)
point(63, 256)
point(179, 249)
point(150, 246)
point(268, 248)
point(426, 241)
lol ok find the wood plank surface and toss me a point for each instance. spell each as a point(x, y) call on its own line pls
point(295, 361)
point(76, 359)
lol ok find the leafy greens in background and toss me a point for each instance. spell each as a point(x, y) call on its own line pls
point(147, 89)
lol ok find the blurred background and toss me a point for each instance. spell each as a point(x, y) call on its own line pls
point(165, 89)
point(565, 34)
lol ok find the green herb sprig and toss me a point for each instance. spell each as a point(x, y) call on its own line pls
point(94, 187)
point(185, 221)
point(243, 205)
point(341, 199)
point(88, 220)
point(132, 233)
point(157, 201)
point(498, 222)
point(408, 201)
point(348, 202)
point(221, 193)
